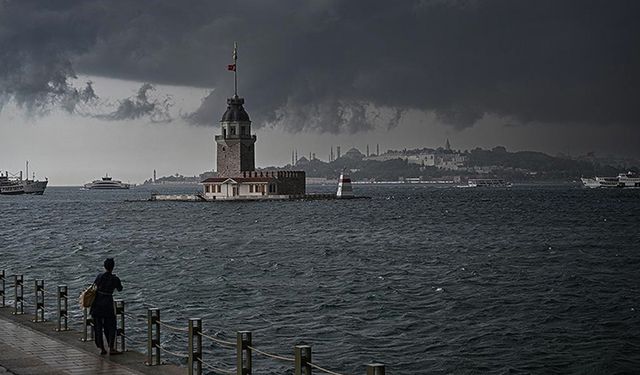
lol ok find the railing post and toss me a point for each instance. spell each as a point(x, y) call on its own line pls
point(39, 294)
point(375, 369)
point(303, 357)
point(2, 287)
point(88, 322)
point(119, 309)
point(63, 308)
point(18, 284)
point(243, 357)
point(153, 318)
point(195, 346)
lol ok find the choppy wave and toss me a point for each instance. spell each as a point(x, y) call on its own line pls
point(425, 280)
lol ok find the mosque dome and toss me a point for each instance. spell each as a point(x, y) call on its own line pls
point(235, 111)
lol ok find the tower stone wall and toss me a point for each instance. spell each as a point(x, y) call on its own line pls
point(236, 144)
point(235, 156)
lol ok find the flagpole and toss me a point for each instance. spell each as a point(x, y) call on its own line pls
point(235, 71)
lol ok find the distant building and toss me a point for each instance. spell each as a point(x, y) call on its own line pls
point(389, 155)
point(449, 160)
point(354, 153)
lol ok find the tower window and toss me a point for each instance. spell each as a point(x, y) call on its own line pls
point(243, 130)
point(232, 130)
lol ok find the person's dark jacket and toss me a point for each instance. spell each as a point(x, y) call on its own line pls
point(103, 304)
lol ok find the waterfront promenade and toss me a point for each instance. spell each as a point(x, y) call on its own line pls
point(28, 348)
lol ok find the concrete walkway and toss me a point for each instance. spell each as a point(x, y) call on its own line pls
point(28, 348)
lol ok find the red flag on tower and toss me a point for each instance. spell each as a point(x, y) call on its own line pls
point(231, 67)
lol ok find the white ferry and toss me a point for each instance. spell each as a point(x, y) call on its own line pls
point(627, 180)
point(486, 182)
point(106, 183)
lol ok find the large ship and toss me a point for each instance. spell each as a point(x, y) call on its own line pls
point(16, 185)
point(623, 180)
point(106, 183)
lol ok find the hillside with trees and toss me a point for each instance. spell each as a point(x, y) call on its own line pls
point(497, 162)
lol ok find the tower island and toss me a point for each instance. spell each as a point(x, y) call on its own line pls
point(235, 163)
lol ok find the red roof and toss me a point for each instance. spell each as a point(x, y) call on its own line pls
point(237, 179)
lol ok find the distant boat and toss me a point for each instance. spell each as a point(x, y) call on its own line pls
point(629, 180)
point(106, 183)
point(16, 185)
point(486, 182)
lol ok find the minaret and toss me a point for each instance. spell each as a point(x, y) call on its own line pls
point(236, 151)
point(447, 145)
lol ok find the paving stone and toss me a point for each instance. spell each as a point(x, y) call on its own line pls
point(26, 352)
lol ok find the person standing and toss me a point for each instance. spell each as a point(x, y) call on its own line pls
point(102, 311)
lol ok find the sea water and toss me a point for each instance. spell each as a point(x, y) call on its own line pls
point(531, 279)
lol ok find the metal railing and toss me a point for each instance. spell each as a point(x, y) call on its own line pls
point(118, 305)
point(18, 285)
point(63, 308)
point(38, 315)
point(87, 321)
point(243, 345)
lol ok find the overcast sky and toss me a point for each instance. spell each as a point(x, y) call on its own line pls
point(125, 87)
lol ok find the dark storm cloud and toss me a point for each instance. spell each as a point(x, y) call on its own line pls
point(336, 66)
point(141, 105)
point(35, 44)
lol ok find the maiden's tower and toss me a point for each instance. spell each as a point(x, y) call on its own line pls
point(237, 177)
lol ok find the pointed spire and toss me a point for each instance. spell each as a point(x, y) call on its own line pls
point(235, 68)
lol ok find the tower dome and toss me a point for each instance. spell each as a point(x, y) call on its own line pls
point(235, 111)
